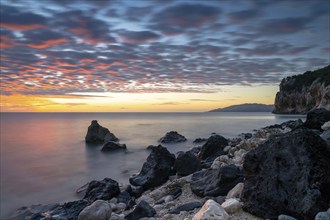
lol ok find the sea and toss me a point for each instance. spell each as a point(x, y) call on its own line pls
point(44, 157)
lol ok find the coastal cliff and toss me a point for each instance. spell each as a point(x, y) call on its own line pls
point(302, 93)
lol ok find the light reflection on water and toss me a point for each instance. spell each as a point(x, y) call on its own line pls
point(44, 158)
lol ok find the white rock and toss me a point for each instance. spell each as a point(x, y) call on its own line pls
point(211, 211)
point(98, 210)
point(236, 192)
point(231, 205)
point(326, 126)
point(121, 206)
point(220, 161)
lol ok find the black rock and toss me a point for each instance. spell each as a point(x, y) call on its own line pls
point(69, 210)
point(215, 182)
point(143, 209)
point(199, 140)
point(135, 191)
point(175, 192)
point(186, 163)
point(213, 147)
point(172, 137)
point(104, 190)
point(288, 174)
point(316, 118)
point(220, 199)
point(97, 134)
point(112, 146)
point(186, 207)
point(125, 197)
point(156, 170)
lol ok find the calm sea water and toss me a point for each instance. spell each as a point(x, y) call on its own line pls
point(44, 158)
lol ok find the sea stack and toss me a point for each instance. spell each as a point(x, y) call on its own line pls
point(97, 134)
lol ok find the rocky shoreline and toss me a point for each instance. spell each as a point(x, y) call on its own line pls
point(277, 172)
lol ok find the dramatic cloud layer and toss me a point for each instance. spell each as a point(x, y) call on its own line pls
point(83, 47)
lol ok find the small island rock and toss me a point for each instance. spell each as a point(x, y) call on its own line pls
point(172, 137)
point(112, 145)
point(97, 134)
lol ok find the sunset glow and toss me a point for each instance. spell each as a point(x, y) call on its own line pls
point(114, 56)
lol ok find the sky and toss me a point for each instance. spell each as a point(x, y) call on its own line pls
point(155, 55)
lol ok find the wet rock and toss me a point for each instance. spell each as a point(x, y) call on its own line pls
point(125, 197)
point(143, 209)
point(156, 170)
point(98, 210)
point(231, 205)
point(103, 190)
point(199, 140)
point(186, 207)
point(97, 134)
point(285, 217)
point(316, 118)
point(213, 147)
point(211, 211)
point(218, 182)
point(289, 173)
point(172, 137)
point(186, 163)
point(112, 146)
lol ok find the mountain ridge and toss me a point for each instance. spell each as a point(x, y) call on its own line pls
point(246, 107)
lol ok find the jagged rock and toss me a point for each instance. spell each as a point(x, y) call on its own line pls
point(211, 211)
point(186, 163)
point(125, 197)
point(213, 147)
point(103, 190)
point(218, 182)
point(143, 209)
point(172, 137)
point(326, 126)
point(186, 207)
point(199, 140)
point(156, 170)
point(236, 192)
point(97, 134)
point(316, 118)
point(112, 145)
point(98, 210)
point(326, 136)
point(231, 205)
point(289, 173)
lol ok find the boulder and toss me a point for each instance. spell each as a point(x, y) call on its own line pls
point(143, 209)
point(288, 174)
point(156, 170)
point(186, 163)
point(186, 207)
point(103, 190)
point(199, 140)
point(97, 134)
point(213, 148)
point(98, 210)
point(211, 211)
point(112, 146)
point(323, 216)
point(285, 217)
point(214, 183)
point(231, 206)
point(316, 118)
point(236, 192)
point(172, 137)
point(125, 197)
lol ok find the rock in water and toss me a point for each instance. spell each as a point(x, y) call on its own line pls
point(187, 163)
point(211, 210)
point(218, 182)
point(112, 146)
point(172, 137)
point(316, 118)
point(98, 210)
point(288, 174)
point(213, 147)
point(143, 209)
point(156, 170)
point(97, 134)
point(104, 190)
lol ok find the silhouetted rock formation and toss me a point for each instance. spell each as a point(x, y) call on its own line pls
point(172, 137)
point(97, 134)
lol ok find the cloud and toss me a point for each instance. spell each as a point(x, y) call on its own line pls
point(244, 15)
point(281, 26)
point(135, 37)
point(14, 19)
point(43, 38)
point(177, 19)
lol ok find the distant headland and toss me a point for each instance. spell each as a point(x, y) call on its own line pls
point(246, 107)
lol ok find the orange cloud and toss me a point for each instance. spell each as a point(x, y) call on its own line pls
point(49, 43)
point(6, 42)
point(20, 27)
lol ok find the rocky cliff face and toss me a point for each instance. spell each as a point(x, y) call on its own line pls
point(302, 93)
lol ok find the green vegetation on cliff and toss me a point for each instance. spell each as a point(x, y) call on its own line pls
point(297, 82)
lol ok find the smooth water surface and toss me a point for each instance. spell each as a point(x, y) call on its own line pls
point(44, 158)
